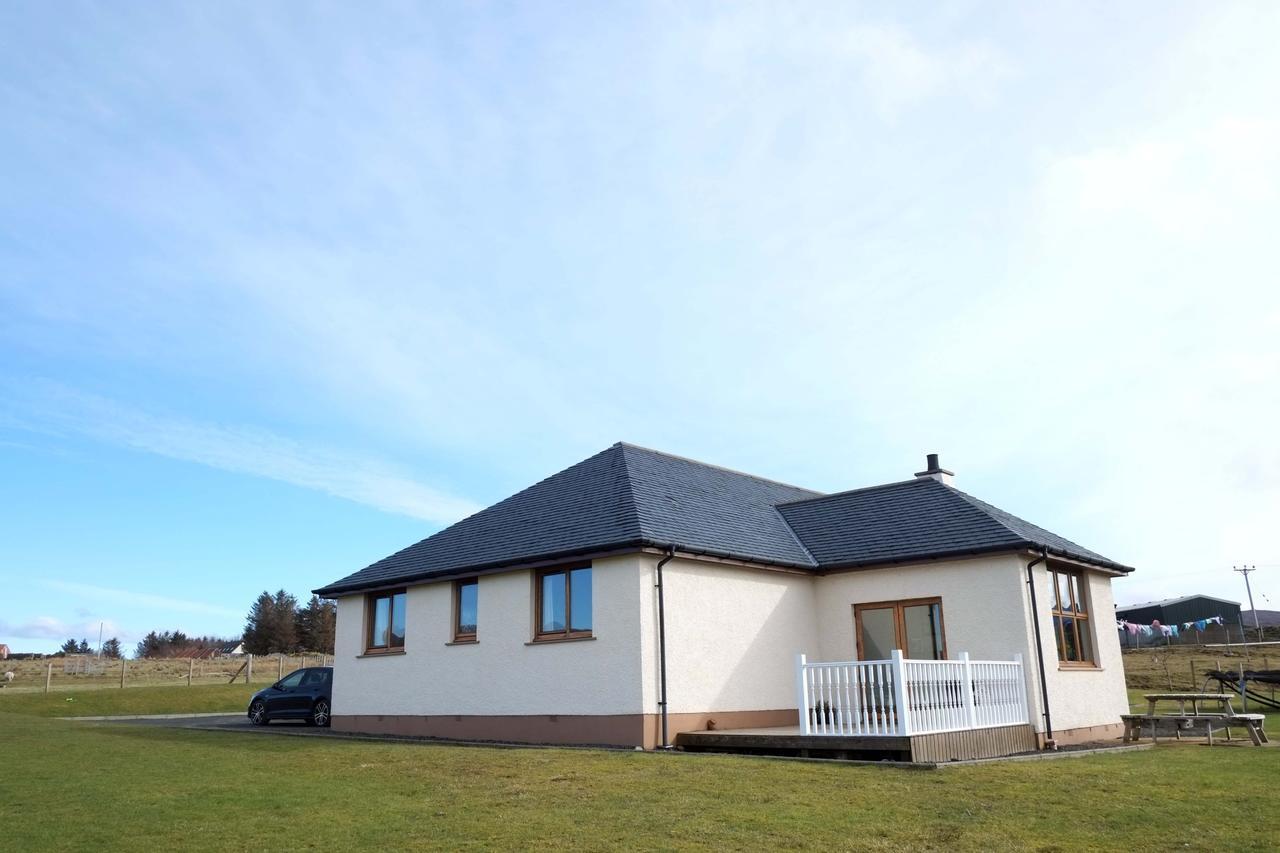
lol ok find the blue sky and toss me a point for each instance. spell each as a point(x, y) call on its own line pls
point(284, 288)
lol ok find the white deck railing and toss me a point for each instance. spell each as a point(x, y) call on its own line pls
point(898, 696)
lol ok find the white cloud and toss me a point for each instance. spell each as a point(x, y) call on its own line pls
point(140, 599)
point(244, 450)
point(49, 628)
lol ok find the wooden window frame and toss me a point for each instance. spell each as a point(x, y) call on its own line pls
point(550, 636)
point(460, 636)
point(370, 606)
point(899, 620)
point(1056, 613)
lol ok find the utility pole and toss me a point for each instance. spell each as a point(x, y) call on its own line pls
point(1244, 570)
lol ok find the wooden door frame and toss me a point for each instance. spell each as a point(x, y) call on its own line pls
point(899, 621)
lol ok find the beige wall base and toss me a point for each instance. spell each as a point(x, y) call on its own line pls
point(1085, 734)
point(644, 730)
point(713, 720)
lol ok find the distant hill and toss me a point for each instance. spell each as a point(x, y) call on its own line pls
point(1266, 618)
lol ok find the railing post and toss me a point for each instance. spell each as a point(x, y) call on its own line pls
point(1022, 688)
point(802, 693)
point(967, 690)
point(900, 692)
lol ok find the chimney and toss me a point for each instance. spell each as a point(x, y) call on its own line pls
point(933, 470)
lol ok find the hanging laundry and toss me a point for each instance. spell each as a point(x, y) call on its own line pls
point(1201, 624)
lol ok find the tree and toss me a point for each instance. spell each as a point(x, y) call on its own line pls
point(70, 647)
point(316, 625)
point(272, 625)
point(84, 648)
point(111, 649)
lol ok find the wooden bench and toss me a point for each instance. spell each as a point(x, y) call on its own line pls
point(1252, 723)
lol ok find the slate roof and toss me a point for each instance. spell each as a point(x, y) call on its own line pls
point(916, 519)
point(632, 497)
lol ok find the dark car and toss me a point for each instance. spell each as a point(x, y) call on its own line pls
point(306, 694)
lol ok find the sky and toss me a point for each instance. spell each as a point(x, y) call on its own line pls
point(287, 287)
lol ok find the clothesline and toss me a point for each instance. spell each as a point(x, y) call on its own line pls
point(1155, 627)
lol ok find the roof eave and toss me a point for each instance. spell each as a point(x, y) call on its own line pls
point(932, 556)
point(339, 589)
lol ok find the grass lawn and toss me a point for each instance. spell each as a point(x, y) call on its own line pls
point(131, 700)
point(73, 786)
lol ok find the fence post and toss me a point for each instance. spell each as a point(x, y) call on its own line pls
point(900, 691)
point(967, 689)
point(279, 667)
point(48, 677)
point(248, 669)
point(802, 694)
point(191, 669)
point(124, 665)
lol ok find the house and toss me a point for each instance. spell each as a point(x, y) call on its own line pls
point(4, 652)
point(637, 598)
point(230, 649)
point(1189, 610)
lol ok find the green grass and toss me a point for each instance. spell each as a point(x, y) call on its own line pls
point(72, 786)
point(132, 700)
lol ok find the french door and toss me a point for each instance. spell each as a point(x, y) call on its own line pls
point(913, 625)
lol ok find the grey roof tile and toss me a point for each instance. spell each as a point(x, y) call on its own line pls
point(628, 496)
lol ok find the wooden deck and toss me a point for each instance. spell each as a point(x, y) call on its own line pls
point(932, 748)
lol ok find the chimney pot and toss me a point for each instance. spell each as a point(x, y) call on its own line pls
point(936, 472)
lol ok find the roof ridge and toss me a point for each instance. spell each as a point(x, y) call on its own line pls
point(985, 508)
point(633, 506)
point(821, 496)
point(796, 536)
point(717, 467)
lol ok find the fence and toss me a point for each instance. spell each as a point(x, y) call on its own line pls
point(898, 696)
point(67, 673)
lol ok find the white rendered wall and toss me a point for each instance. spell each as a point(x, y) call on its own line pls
point(732, 636)
point(981, 604)
point(1079, 697)
point(501, 674)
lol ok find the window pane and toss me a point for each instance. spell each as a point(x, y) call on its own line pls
point(397, 620)
point(1064, 591)
point(580, 602)
point(1070, 649)
point(1086, 646)
point(381, 621)
point(1057, 636)
point(552, 603)
point(467, 608)
point(293, 679)
point(878, 634)
point(1077, 587)
point(924, 631)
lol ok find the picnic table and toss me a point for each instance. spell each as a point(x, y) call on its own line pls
point(1224, 717)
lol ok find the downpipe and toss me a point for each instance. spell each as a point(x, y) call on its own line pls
point(1049, 742)
point(662, 645)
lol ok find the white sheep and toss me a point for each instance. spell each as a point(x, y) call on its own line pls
point(8, 678)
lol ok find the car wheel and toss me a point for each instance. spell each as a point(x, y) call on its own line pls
point(320, 713)
point(258, 713)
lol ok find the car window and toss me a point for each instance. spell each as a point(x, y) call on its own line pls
point(316, 678)
point(293, 679)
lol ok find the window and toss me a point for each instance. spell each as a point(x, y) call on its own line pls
point(1071, 618)
point(563, 607)
point(291, 680)
point(386, 622)
point(465, 599)
point(914, 625)
point(316, 678)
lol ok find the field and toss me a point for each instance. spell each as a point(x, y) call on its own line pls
point(70, 786)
